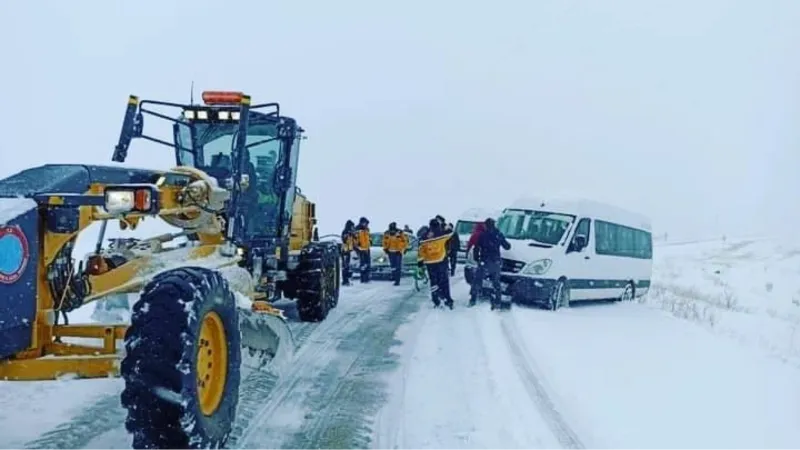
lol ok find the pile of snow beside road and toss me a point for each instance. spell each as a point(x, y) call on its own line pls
point(747, 289)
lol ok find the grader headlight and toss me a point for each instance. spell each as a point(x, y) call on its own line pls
point(130, 198)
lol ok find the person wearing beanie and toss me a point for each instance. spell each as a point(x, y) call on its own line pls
point(348, 245)
point(488, 247)
point(363, 244)
point(433, 255)
point(395, 244)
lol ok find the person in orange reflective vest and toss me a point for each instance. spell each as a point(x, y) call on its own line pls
point(363, 244)
point(433, 255)
point(348, 245)
point(395, 244)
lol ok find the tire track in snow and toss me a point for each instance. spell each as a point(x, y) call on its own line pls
point(390, 424)
point(350, 403)
point(339, 397)
point(536, 390)
point(99, 417)
point(261, 385)
point(107, 413)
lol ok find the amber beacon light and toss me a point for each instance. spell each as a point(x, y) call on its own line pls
point(222, 97)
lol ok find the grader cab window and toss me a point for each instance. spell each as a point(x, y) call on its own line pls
point(214, 155)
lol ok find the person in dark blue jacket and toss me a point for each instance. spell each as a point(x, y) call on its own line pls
point(489, 262)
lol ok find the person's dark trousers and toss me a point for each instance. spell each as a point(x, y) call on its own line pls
point(346, 268)
point(396, 261)
point(440, 282)
point(492, 272)
point(453, 263)
point(365, 264)
point(477, 283)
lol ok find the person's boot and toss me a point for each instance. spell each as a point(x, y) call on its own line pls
point(472, 302)
point(449, 303)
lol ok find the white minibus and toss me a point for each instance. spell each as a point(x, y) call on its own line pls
point(567, 250)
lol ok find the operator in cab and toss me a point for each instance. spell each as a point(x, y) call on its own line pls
point(348, 245)
point(363, 243)
point(395, 244)
point(433, 254)
point(489, 263)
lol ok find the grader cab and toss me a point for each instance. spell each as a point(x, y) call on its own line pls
point(243, 239)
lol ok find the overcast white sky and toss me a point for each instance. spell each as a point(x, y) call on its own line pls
point(685, 110)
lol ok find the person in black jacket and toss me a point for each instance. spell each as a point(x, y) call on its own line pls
point(452, 254)
point(489, 262)
point(348, 245)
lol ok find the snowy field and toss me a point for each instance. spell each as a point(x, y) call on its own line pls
point(708, 360)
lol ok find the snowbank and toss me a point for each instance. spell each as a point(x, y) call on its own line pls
point(748, 289)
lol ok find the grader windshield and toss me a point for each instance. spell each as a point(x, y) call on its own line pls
point(213, 153)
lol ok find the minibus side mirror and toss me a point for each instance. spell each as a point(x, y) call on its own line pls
point(578, 243)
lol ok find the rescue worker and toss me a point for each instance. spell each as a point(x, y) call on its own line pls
point(489, 263)
point(348, 244)
point(395, 244)
point(433, 254)
point(362, 246)
point(455, 245)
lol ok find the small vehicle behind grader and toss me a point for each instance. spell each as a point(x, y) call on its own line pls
point(246, 237)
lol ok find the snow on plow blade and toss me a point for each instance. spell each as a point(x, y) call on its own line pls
point(267, 340)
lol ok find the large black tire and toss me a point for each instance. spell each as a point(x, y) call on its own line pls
point(167, 377)
point(317, 281)
point(628, 294)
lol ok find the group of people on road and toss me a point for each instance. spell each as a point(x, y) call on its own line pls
point(358, 238)
point(438, 254)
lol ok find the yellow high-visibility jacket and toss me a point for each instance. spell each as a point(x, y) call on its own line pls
point(434, 250)
point(362, 238)
point(395, 242)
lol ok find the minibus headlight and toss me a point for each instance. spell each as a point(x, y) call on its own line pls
point(538, 267)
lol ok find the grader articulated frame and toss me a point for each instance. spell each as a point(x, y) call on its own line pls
point(244, 240)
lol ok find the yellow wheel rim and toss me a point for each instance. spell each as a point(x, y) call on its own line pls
point(212, 363)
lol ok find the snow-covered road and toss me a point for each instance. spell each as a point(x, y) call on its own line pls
point(597, 376)
point(388, 371)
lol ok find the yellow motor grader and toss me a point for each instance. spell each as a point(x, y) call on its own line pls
point(245, 237)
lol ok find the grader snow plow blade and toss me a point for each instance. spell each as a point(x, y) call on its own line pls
point(267, 341)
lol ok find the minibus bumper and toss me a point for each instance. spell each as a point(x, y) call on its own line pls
point(527, 290)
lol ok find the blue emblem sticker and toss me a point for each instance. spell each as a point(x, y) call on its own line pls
point(14, 254)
